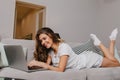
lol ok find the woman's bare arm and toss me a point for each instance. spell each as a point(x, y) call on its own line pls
point(49, 59)
point(61, 67)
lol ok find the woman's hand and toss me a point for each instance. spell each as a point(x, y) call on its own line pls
point(35, 63)
point(61, 67)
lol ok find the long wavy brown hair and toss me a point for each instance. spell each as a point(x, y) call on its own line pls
point(41, 52)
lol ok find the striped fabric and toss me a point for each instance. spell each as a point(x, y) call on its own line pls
point(88, 46)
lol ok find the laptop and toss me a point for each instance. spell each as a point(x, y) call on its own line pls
point(3, 58)
point(16, 58)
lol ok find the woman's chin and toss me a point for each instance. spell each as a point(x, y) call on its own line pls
point(47, 47)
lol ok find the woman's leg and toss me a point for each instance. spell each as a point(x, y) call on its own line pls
point(108, 63)
point(112, 47)
point(112, 41)
point(97, 42)
point(106, 53)
point(108, 59)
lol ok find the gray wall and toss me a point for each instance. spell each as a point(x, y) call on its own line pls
point(7, 10)
point(108, 19)
point(73, 19)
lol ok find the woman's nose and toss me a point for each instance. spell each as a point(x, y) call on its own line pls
point(43, 42)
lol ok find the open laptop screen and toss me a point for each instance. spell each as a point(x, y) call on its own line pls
point(16, 58)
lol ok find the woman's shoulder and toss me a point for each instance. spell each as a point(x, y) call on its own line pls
point(64, 44)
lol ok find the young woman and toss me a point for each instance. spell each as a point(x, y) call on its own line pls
point(51, 49)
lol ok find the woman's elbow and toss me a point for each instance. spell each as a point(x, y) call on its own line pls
point(61, 70)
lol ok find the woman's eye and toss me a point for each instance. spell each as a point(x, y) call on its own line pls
point(44, 38)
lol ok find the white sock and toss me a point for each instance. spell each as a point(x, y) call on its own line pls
point(114, 34)
point(95, 39)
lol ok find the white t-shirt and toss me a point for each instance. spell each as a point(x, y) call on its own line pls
point(86, 59)
point(74, 61)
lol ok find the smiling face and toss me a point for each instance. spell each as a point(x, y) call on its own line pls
point(46, 41)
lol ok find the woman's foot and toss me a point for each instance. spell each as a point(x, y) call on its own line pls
point(114, 34)
point(95, 39)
